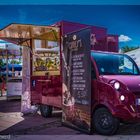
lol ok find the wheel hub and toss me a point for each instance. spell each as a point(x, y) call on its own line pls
point(105, 121)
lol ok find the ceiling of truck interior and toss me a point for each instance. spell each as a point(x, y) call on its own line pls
point(21, 33)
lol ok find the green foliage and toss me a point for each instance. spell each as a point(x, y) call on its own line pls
point(15, 62)
point(1, 63)
point(128, 48)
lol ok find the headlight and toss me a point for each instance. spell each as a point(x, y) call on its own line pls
point(117, 85)
point(122, 97)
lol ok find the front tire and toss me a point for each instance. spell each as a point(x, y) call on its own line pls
point(46, 111)
point(104, 123)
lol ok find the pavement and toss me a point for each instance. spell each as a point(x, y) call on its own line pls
point(13, 125)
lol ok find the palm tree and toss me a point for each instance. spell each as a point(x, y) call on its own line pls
point(128, 48)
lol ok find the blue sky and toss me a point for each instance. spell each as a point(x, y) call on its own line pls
point(123, 20)
point(128, 2)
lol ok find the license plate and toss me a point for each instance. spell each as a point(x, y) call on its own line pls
point(138, 101)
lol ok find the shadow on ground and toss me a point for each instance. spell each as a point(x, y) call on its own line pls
point(13, 123)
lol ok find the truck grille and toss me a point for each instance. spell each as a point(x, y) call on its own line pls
point(137, 102)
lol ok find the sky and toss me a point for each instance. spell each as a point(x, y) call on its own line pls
point(123, 20)
point(83, 2)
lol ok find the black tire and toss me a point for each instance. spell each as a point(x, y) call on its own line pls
point(104, 123)
point(46, 111)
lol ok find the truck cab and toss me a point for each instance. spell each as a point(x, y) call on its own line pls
point(116, 91)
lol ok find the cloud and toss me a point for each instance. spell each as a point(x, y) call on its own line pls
point(124, 38)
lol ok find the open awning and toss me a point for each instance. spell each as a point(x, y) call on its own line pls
point(21, 33)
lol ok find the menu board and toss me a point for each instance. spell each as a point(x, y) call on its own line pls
point(76, 67)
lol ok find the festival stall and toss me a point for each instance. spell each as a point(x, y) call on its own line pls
point(11, 70)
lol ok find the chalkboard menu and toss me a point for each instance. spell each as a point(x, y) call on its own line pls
point(76, 68)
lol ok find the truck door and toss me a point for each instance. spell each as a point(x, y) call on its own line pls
point(76, 80)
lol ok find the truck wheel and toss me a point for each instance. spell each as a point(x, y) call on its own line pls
point(46, 110)
point(104, 123)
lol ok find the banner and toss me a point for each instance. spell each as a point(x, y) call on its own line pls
point(76, 71)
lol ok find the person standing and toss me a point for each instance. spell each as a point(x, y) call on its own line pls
point(2, 85)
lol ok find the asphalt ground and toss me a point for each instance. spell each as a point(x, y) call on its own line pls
point(13, 125)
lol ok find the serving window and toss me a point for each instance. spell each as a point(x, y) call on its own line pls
point(46, 58)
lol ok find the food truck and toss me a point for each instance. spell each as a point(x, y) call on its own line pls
point(70, 66)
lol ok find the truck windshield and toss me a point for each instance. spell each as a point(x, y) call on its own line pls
point(114, 64)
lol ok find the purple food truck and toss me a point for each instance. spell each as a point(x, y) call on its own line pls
point(80, 73)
